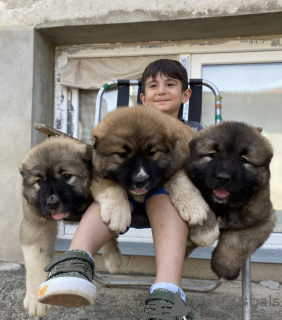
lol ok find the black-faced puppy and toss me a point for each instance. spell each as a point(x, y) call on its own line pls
point(229, 164)
point(56, 185)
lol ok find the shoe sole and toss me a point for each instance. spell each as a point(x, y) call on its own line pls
point(67, 292)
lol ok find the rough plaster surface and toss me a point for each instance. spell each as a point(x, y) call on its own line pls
point(16, 65)
point(43, 13)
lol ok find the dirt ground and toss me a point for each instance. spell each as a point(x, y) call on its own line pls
point(128, 303)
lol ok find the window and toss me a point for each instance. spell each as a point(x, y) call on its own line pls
point(247, 74)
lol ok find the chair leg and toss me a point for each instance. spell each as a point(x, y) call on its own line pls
point(247, 290)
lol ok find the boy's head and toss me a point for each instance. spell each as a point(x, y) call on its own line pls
point(165, 86)
point(167, 67)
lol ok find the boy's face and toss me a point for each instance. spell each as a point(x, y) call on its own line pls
point(165, 94)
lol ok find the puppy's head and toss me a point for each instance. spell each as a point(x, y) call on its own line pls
point(56, 177)
point(229, 162)
point(134, 147)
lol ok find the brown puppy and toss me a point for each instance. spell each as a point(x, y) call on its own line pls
point(56, 178)
point(229, 164)
point(137, 150)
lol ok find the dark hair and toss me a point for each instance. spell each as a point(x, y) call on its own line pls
point(167, 67)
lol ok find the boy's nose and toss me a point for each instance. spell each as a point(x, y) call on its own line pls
point(162, 89)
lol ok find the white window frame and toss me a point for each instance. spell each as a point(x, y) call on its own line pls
point(194, 55)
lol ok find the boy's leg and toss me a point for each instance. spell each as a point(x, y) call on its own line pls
point(70, 275)
point(92, 233)
point(170, 235)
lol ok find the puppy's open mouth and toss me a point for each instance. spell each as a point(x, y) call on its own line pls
point(221, 194)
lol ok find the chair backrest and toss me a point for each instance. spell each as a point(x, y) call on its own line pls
point(195, 102)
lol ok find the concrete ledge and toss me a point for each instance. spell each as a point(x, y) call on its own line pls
point(253, 25)
point(138, 258)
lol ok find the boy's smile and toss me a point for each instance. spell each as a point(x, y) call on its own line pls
point(165, 94)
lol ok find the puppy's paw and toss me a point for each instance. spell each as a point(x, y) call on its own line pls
point(187, 199)
point(113, 262)
point(35, 308)
point(206, 234)
point(116, 215)
point(112, 255)
point(224, 265)
point(192, 209)
point(203, 238)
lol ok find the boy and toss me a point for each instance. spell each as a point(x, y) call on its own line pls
point(165, 87)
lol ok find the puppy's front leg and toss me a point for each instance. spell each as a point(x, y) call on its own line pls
point(235, 246)
point(115, 207)
point(187, 199)
point(38, 237)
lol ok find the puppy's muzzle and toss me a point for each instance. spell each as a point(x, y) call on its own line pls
point(53, 202)
point(141, 179)
point(223, 177)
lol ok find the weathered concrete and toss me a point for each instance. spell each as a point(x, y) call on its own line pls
point(74, 12)
point(128, 303)
point(193, 268)
point(27, 78)
point(169, 30)
point(16, 77)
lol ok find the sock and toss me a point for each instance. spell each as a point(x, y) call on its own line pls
point(89, 255)
point(168, 286)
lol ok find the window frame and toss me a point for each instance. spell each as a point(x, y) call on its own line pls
point(193, 55)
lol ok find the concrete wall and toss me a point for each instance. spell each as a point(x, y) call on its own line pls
point(16, 78)
point(26, 96)
point(29, 32)
point(51, 13)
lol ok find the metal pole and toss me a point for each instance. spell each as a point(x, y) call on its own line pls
point(246, 290)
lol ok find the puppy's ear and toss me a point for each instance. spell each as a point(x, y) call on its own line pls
point(259, 129)
point(94, 142)
point(21, 169)
point(192, 144)
point(88, 153)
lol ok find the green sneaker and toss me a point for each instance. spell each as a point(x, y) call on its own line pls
point(163, 304)
point(69, 282)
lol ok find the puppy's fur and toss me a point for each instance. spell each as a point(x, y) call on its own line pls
point(229, 164)
point(56, 178)
point(137, 150)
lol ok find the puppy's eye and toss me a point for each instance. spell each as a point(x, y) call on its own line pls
point(244, 160)
point(66, 176)
point(151, 153)
point(212, 154)
point(122, 155)
point(39, 179)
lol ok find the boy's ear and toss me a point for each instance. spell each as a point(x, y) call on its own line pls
point(143, 99)
point(186, 95)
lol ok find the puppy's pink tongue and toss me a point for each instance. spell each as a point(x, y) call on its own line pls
point(58, 215)
point(221, 193)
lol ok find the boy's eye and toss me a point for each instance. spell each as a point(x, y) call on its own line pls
point(170, 84)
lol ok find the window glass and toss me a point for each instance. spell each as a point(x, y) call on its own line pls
point(251, 93)
point(87, 99)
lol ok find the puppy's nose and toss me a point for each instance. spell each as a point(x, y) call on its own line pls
point(53, 202)
point(140, 182)
point(141, 178)
point(223, 177)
